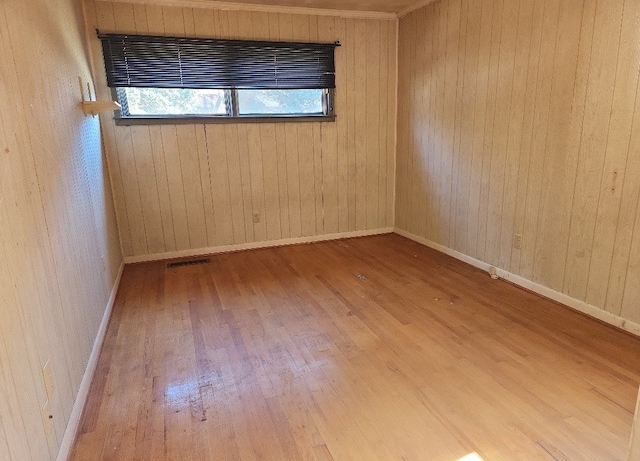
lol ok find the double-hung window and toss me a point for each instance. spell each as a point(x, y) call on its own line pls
point(167, 79)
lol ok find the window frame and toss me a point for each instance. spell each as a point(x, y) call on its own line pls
point(328, 104)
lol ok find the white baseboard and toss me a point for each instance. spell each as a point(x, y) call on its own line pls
point(253, 245)
point(547, 292)
point(83, 392)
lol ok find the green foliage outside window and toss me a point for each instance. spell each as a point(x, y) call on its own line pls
point(201, 102)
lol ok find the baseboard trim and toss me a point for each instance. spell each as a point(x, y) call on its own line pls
point(83, 392)
point(254, 245)
point(573, 303)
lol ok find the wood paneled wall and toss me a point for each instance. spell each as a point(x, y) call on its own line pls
point(188, 187)
point(56, 223)
point(521, 117)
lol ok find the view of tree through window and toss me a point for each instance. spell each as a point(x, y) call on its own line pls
point(258, 102)
point(175, 101)
point(151, 102)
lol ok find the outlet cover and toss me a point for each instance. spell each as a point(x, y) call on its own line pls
point(517, 241)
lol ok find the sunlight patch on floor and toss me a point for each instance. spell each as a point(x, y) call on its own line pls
point(471, 457)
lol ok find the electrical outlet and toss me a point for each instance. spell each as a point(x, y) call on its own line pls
point(104, 266)
point(517, 241)
point(47, 378)
point(256, 218)
point(47, 419)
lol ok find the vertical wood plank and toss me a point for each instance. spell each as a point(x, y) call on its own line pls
point(469, 91)
point(147, 184)
point(606, 39)
point(218, 168)
point(171, 152)
point(541, 125)
point(485, 172)
point(558, 170)
point(162, 184)
point(372, 107)
point(236, 190)
point(482, 82)
point(189, 168)
point(254, 143)
point(528, 129)
point(271, 200)
point(342, 111)
point(457, 230)
point(206, 184)
point(616, 175)
point(504, 95)
point(516, 131)
point(391, 125)
point(360, 124)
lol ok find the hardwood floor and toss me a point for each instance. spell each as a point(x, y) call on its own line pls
point(364, 349)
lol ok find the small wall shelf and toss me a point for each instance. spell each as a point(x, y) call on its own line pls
point(95, 107)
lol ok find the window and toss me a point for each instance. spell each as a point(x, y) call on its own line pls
point(160, 79)
point(186, 102)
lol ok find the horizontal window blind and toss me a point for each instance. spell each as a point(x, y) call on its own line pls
point(179, 62)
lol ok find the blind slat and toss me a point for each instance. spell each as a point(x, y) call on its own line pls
point(199, 63)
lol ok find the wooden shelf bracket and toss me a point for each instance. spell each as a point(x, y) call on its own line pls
point(93, 107)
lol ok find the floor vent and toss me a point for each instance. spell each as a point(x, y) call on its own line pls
point(190, 262)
